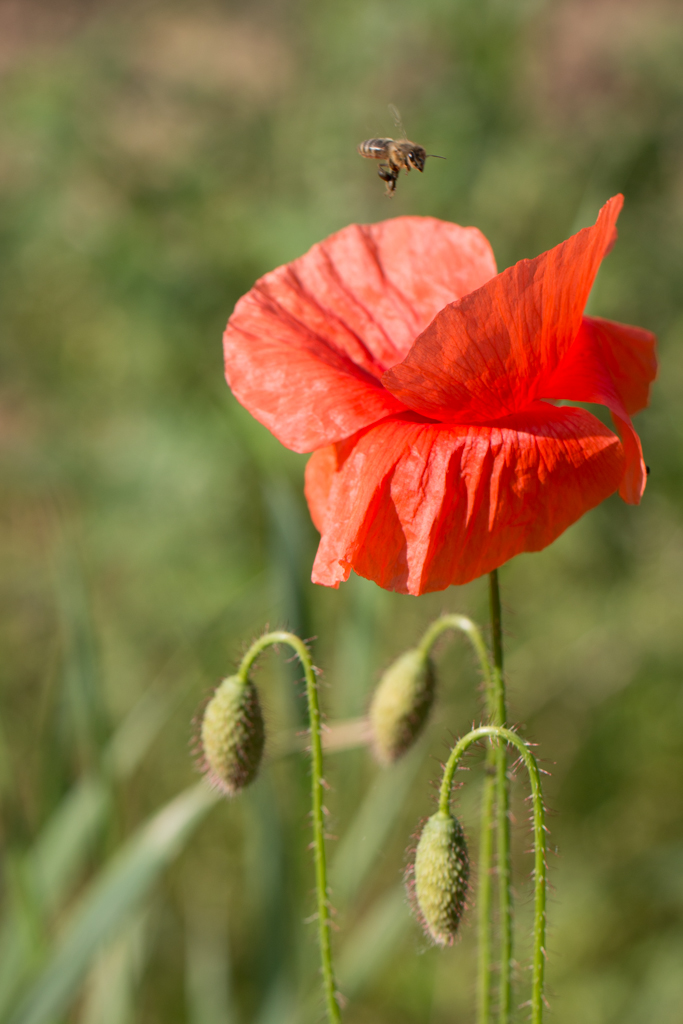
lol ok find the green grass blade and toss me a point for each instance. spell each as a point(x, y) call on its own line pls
point(57, 856)
point(112, 985)
point(139, 729)
point(88, 719)
point(39, 880)
point(119, 890)
point(372, 940)
point(363, 840)
point(208, 986)
point(21, 933)
point(281, 1005)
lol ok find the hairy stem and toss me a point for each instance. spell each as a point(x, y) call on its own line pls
point(473, 634)
point(505, 736)
point(323, 912)
point(498, 760)
point(495, 707)
point(484, 891)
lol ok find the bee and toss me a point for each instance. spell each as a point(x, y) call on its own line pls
point(395, 154)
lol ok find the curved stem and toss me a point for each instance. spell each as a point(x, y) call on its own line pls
point(495, 706)
point(473, 633)
point(508, 737)
point(498, 758)
point(301, 651)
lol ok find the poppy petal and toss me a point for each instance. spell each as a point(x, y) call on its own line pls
point(488, 355)
point(419, 506)
point(305, 349)
point(611, 364)
point(629, 354)
point(319, 476)
point(360, 512)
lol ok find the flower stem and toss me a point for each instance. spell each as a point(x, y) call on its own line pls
point(323, 913)
point(505, 736)
point(495, 706)
point(473, 634)
point(484, 892)
point(498, 758)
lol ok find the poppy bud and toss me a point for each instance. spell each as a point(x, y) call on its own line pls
point(232, 735)
point(401, 703)
point(442, 871)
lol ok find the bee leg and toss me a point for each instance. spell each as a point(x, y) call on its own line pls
point(388, 174)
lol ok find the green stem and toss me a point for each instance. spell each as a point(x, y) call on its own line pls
point(498, 696)
point(498, 758)
point(506, 736)
point(323, 915)
point(473, 634)
point(484, 891)
point(495, 706)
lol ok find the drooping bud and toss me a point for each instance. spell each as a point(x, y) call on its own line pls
point(232, 735)
point(442, 871)
point(401, 704)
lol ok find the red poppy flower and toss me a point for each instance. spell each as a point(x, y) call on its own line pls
point(424, 384)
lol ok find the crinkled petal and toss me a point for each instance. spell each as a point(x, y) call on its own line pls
point(489, 355)
point(629, 355)
point(611, 364)
point(319, 476)
point(305, 349)
point(419, 506)
point(634, 477)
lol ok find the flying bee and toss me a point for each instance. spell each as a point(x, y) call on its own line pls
point(395, 154)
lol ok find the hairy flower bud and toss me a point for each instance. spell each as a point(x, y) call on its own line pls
point(401, 704)
point(442, 871)
point(232, 734)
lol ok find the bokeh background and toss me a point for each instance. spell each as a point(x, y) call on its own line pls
point(155, 158)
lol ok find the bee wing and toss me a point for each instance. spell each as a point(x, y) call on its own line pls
point(397, 120)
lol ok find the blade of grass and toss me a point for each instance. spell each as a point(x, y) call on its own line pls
point(116, 892)
point(363, 840)
point(111, 987)
point(57, 857)
point(87, 719)
point(39, 880)
point(372, 940)
point(22, 938)
point(50, 869)
point(280, 1005)
point(52, 866)
point(207, 970)
point(138, 730)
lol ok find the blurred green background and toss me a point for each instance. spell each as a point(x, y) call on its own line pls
point(155, 158)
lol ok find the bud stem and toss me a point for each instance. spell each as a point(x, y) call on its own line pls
point(497, 757)
point(323, 915)
point(505, 736)
point(484, 891)
point(496, 795)
point(473, 633)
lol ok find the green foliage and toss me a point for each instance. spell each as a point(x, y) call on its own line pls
point(108, 902)
point(154, 161)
